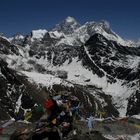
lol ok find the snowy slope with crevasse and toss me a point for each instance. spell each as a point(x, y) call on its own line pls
point(77, 74)
point(46, 80)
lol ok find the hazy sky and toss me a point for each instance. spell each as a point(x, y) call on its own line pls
point(26, 15)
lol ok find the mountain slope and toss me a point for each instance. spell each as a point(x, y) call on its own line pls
point(71, 56)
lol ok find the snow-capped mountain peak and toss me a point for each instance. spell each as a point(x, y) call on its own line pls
point(74, 34)
point(70, 19)
point(70, 32)
point(103, 28)
point(38, 34)
point(2, 37)
point(67, 26)
point(18, 36)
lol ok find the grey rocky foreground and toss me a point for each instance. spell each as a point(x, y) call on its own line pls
point(113, 128)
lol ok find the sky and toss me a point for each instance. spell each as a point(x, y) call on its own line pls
point(25, 15)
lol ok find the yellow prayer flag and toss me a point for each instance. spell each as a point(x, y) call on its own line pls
point(54, 121)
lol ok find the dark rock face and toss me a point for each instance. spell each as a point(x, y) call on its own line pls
point(18, 39)
point(113, 55)
point(134, 104)
point(7, 48)
point(12, 87)
point(62, 74)
point(97, 50)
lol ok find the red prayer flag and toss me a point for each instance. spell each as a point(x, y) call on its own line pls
point(1, 130)
point(48, 103)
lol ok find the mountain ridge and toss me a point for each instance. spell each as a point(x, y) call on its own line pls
point(89, 56)
point(73, 27)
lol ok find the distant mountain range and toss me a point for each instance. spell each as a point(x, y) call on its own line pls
point(90, 61)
